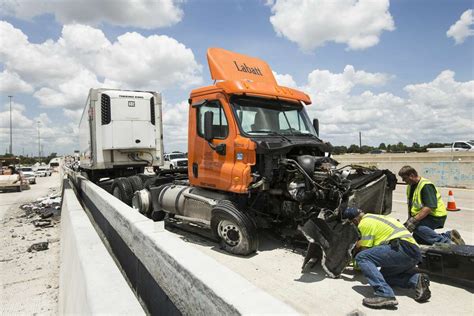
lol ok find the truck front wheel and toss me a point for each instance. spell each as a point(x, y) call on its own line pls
point(235, 230)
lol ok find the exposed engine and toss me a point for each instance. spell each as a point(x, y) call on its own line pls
point(307, 186)
point(306, 195)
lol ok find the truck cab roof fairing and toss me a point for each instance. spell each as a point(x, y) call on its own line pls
point(244, 75)
point(227, 65)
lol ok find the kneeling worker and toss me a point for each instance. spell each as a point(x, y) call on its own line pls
point(426, 210)
point(385, 243)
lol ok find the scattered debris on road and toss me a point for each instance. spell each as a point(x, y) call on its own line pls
point(39, 246)
point(47, 208)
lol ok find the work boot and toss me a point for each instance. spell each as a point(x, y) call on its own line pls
point(380, 302)
point(422, 288)
point(456, 238)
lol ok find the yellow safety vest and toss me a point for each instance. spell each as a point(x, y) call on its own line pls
point(380, 229)
point(417, 203)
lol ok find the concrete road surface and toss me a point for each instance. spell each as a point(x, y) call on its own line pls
point(277, 269)
point(29, 280)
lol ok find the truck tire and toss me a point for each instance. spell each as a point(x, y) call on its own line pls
point(122, 190)
point(157, 216)
point(136, 182)
point(236, 232)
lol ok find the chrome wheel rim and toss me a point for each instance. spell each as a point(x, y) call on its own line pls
point(229, 232)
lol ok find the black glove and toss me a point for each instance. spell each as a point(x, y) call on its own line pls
point(410, 224)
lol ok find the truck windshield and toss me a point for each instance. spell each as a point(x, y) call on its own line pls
point(258, 116)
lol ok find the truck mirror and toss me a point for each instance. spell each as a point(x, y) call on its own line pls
point(316, 125)
point(208, 119)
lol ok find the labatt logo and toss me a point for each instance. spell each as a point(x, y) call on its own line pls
point(244, 68)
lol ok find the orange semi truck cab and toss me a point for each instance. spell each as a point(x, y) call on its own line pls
point(255, 161)
point(233, 120)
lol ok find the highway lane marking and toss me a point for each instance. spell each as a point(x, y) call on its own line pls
point(462, 208)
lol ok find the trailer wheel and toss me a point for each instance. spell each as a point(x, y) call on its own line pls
point(136, 182)
point(122, 190)
point(235, 230)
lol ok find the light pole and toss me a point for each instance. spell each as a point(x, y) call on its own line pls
point(11, 141)
point(39, 142)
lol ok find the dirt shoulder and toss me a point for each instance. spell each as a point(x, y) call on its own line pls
point(29, 277)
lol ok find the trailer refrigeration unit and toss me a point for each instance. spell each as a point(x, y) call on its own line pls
point(255, 161)
point(120, 133)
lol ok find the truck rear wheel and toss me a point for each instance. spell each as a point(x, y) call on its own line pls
point(136, 182)
point(235, 230)
point(122, 190)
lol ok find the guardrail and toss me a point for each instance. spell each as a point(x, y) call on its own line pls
point(167, 274)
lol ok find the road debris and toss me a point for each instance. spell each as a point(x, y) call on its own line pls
point(39, 246)
point(44, 212)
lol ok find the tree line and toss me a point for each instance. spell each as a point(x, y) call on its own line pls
point(27, 160)
point(390, 148)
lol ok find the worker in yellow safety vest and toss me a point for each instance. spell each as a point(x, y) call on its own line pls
point(426, 210)
point(386, 244)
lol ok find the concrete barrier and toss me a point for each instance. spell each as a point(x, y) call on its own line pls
point(444, 169)
point(90, 282)
point(169, 276)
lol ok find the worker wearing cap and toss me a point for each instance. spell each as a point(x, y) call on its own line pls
point(426, 210)
point(386, 244)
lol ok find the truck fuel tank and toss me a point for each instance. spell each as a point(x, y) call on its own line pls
point(186, 201)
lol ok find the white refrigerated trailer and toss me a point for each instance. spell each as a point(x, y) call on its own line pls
point(121, 133)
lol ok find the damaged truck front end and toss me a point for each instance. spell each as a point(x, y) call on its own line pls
point(305, 192)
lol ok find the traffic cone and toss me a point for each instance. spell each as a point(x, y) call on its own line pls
point(451, 203)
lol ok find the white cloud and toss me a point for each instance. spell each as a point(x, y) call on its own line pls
point(137, 13)
point(63, 71)
point(12, 83)
point(285, 80)
point(442, 104)
point(73, 115)
point(55, 137)
point(17, 106)
point(312, 23)
point(461, 30)
point(175, 126)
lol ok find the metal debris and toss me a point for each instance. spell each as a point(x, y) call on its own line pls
point(43, 212)
point(39, 246)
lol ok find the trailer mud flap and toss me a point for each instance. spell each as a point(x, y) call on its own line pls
point(450, 261)
point(331, 242)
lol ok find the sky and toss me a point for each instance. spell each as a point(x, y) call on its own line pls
point(396, 71)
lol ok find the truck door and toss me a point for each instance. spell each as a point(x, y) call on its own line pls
point(208, 167)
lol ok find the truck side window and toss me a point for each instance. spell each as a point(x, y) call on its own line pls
point(219, 125)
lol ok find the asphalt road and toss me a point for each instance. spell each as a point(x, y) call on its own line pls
point(29, 280)
point(9, 199)
point(277, 270)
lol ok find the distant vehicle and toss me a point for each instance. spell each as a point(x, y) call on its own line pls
point(29, 174)
point(54, 163)
point(456, 146)
point(43, 171)
point(175, 160)
point(12, 179)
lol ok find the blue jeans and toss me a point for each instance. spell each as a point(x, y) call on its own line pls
point(397, 267)
point(424, 232)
